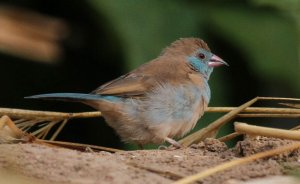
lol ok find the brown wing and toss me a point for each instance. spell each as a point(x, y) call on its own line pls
point(127, 85)
point(145, 78)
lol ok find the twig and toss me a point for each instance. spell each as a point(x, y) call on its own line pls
point(31, 114)
point(58, 130)
point(229, 137)
point(291, 105)
point(47, 131)
point(49, 115)
point(29, 123)
point(205, 132)
point(43, 128)
point(19, 121)
point(78, 146)
point(268, 132)
point(296, 127)
point(237, 162)
point(256, 110)
point(214, 126)
point(278, 98)
point(268, 115)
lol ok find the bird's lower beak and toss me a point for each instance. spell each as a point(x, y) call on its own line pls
point(216, 61)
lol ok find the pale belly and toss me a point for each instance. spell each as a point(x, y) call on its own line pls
point(165, 112)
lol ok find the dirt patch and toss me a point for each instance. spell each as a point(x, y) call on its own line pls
point(60, 165)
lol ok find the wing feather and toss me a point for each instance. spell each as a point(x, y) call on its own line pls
point(127, 85)
point(145, 78)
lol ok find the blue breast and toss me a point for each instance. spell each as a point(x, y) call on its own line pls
point(167, 104)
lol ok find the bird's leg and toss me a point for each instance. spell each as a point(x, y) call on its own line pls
point(173, 142)
point(15, 131)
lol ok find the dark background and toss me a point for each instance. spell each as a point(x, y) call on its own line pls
point(259, 39)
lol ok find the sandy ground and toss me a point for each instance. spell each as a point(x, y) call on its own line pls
point(46, 164)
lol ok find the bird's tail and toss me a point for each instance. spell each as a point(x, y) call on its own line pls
point(75, 97)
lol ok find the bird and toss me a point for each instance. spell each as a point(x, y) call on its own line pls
point(160, 100)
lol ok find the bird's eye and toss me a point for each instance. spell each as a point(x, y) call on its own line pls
point(201, 56)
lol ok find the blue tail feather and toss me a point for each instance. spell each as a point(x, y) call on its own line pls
point(67, 96)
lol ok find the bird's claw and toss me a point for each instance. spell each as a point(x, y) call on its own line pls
point(174, 144)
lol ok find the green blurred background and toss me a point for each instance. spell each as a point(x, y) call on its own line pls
point(104, 39)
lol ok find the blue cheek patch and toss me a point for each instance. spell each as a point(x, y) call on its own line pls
point(200, 66)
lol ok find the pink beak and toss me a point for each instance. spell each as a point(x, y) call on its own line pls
point(216, 61)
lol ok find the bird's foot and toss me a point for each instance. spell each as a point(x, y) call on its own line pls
point(174, 144)
point(162, 147)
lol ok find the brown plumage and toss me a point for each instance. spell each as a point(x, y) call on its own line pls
point(161, 99)
point(167, 67)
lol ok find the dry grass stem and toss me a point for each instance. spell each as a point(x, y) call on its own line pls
point(78, 146)
point(256, 110)
point(47, 115)
point(25, 119)
point(296, 127)
point(237, 162)
point(229, 136)
point(46, 132)
point(268, 132)
point(268, 115)
point(16, 134)
point(295, 105)
point(40, 130)
point(278, 98)
point(214, 126)
point(28, 123)
point(58, 130)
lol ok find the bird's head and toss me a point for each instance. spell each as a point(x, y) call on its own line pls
point(197, 55)
point(204, 61)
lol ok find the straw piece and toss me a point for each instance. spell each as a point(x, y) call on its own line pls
point(229, 136)
point(266, 110)
point(268, 132)
point(268, 115)
point(47, 115)
point(278, 98)
point(78, 146)
point(46, 132)
point(295, 105)
point(43, 128)
point(59, 130)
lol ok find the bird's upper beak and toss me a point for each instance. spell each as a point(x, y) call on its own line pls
point(216, 61)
